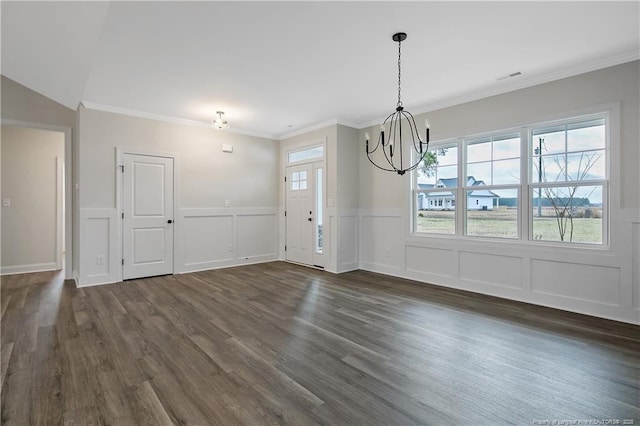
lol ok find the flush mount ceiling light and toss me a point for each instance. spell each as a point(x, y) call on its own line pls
point(219, 123)
point(391, 154)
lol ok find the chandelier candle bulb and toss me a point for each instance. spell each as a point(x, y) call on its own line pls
point(427, 125)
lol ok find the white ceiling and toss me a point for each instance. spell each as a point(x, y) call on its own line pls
point(278, 67)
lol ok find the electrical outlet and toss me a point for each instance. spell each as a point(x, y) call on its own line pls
point(100, 260)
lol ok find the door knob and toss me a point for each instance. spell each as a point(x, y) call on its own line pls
point(169, 221)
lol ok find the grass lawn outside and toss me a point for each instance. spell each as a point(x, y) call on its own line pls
point(503, 223)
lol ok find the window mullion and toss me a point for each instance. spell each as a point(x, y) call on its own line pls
point(524, 212)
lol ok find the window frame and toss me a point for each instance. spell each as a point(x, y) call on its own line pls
point(526, 186)
point(309, 148)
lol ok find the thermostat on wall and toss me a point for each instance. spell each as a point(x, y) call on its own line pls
point(227, 148)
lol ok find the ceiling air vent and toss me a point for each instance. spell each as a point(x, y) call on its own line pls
point(513, 74)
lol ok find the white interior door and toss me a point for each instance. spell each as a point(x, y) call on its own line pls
point(148, 216)
point(299, 214)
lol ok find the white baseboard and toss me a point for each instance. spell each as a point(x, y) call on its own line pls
point(25, 269)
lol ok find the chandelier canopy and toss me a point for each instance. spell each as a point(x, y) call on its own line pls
point(394, 131)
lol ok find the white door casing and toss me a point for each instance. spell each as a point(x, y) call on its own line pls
point(299, 214)
point(148, 231)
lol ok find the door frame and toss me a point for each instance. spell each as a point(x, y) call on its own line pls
point(285, 164)
point(120, 152)
point(64, 225)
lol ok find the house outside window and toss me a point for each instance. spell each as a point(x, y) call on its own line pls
point(546, 182)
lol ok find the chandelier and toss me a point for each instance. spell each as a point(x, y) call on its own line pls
point(398, 125)
point(219, 123)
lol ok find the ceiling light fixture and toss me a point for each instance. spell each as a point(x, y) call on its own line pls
point(219, 123)
point(392, 157)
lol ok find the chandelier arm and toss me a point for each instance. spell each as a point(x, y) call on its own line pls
point(381, 168)
point(401, 140)
point(414, 133)
point(392, 130)
point(417, 163)
point(376, 147)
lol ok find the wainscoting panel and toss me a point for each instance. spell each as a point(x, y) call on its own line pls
point(257, 235)
point(99, 262)
point(599, 284)
point(221, 237)
point(382, 242)
point(348, 246)
point(432, 261)
point(207, 239)
point(490, 269)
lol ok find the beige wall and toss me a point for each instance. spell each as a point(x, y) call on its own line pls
point(621, 83)
point(29, 181)
point(347, 167)
point(247, 177)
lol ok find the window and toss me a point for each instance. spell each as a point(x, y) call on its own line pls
point(436, 191)
point(492, 173)
point(546, 182)
point(568, 181)
point(299, 181)
point(319, 211)
point(306, 154)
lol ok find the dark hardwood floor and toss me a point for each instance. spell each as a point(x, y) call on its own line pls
point(281, 344)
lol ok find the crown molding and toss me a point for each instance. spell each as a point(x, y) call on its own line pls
point(312, 127)
point(519, 83)
point(170, 119)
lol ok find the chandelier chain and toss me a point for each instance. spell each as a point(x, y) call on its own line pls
point(399, 69)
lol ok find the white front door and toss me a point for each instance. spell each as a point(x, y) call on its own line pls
point(299, 214)
point(147, 216)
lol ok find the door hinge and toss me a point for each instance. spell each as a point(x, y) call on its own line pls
point(285, 213)
point(285, 248)
point(123, 261)
point(121, 167)
point(285, 178)
point(123, 215)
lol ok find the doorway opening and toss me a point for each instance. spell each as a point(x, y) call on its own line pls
point(36, 198)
